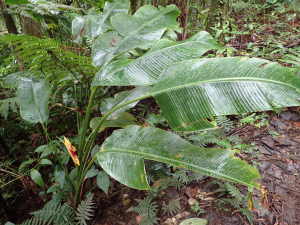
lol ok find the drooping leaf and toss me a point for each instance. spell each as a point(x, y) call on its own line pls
point(124, 120)
point(193, 90)
point(146, 69)
point(36, 177)
point(33, 95)
point(122, 157)
point(120, 98)
point(103, 181)
point(145, 27)
point(96, 24)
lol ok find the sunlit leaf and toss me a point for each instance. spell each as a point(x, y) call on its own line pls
point(193, 90)
point(146, 69)
point(145, 27)
point(96, 24)
point(122, 157)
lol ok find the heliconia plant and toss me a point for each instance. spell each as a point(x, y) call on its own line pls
point(188, 90)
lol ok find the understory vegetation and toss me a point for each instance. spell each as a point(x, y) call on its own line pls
point(104, 96)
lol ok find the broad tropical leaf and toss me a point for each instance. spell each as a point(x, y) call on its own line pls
point(145, 27)
point(146, 69)
point(120, 98)
point(94, 25)
point(123, 121)
point(33, 95)
point(122, 157)
point(190, 91)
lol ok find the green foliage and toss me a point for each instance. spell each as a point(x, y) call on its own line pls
point(172, 208)
point(52, 214)
point(146, 208)
point(197, 209)
point(84, 211)
point(225, 123)
point(49, 58)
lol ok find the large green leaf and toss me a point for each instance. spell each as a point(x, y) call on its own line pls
point(190, 91)
point(96, 24)
point(120, 98)
point(122, 157)
point(146, 69)
point(33, 95)
point(145, 27)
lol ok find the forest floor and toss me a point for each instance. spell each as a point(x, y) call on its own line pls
point(278, 164)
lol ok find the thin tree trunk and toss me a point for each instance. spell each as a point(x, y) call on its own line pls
point(12, 29)
point(218, 14)
point(133, 6)
point(30, 27)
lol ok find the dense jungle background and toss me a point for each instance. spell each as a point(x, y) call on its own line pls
point(150, 112)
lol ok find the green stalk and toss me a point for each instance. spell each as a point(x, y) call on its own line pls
point(80, 182)
point(93, 137)
point(58, 158)
point(85, 124)
point(83, 134)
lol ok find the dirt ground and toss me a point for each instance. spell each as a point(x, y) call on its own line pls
point(278, 164)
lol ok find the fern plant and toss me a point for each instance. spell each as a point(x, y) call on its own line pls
point(145, 208)
point(172, 208)
point(50, 58)
point(55, 213)
point(238, 201)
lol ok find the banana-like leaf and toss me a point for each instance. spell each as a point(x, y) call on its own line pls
point(123, 121)
point(33, 95)
point(190, 91)
point(120, 98)
point(146, 69)
point(145, 27)
point(94, 25)
point(122, 157)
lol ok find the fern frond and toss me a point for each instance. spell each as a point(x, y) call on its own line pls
point(84, 211)
point(48, 56)
point(149, 221)
point(172, 208)
point(145, 207)
point(247, 213)
point(234, 191)
point(225, 123)
point(196, 176)
point(234, 139)
point(52, 213)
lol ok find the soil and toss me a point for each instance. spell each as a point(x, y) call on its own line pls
point(278, 164)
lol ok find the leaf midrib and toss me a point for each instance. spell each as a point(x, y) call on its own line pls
point(157, 157)
point(219, 80)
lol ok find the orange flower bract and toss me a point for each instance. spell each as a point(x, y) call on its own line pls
point(71, 150)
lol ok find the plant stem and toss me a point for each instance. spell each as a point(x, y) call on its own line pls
point(83, 134)
point(93, 137)
point(58, 158)
point(80, 181)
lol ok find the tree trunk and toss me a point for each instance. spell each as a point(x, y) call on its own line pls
point(133, 6)
point(30, 27)
point(218, 14)
point(12, 29)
